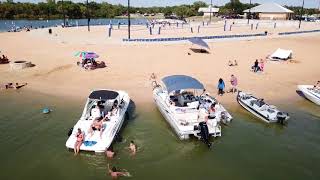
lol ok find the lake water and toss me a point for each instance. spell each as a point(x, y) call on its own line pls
point(6, 25)
point(33, 145)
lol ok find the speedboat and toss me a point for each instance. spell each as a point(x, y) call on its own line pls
point(311, 93)
point(107, 100)
point(184, 104)
point(268, 113)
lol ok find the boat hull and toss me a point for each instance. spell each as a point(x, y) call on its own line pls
point(308, 94)
point(105, 140)
point(253, 111)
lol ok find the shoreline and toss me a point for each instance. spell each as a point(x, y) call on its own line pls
point(129, 66)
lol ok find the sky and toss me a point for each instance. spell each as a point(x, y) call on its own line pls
point(148, 3)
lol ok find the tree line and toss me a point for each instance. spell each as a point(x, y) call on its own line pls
point(55, 10)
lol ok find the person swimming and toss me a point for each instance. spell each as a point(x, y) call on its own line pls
point(132, 148)
point(114, 173)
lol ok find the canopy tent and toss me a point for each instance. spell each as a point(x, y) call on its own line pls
point(281, 54)
point(103, 95)
point(200, 42)
point(178, 82)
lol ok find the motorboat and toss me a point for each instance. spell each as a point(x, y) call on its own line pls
point(268, 113)
point(184, 103)
point(100, 103)
point(311, 93)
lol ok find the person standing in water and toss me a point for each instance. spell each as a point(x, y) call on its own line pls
point(114, 173)
point(110, 153)
point(132, 148)
point(79, 141)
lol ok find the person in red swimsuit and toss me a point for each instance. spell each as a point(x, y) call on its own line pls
point(79, 141)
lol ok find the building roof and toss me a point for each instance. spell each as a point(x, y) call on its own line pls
point(207, 9)
point(179, 82)
point(269, 8)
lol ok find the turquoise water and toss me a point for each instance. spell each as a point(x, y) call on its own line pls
point(6, 25)
point(33, 145)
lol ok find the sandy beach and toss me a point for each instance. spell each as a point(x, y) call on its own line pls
point(129, 65)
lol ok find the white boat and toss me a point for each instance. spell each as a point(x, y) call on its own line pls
point(184, 104)
point(262, 110)
point(311, 93)
point(106, 99)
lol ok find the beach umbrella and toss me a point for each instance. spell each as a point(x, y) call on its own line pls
point(200, 42)
point(91, 55)
point(86, 55)
point(80, 54)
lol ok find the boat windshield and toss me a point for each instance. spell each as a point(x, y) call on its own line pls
point(183, 98)
point(104, 106)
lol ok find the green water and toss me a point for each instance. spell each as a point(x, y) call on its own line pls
point(33, 145)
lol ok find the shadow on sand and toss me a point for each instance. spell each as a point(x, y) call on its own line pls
point(202, 51)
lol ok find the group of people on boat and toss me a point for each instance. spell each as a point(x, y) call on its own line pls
point(258, 66)
point(221, 85)
point(317, 86)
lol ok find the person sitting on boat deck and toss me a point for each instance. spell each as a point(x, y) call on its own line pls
point(109, 152)
point(317, 85)
point(114, 109)
point(115, 174)
point(221, 87)
point(203, 115)
point(261, 102)
point(212, 111)
point(96, 111)
point(79, 141)
point(132, 148)
point(97, 125)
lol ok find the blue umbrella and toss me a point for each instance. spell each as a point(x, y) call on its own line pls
point(200, 42)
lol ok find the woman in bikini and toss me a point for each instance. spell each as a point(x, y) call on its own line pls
point(80, 138)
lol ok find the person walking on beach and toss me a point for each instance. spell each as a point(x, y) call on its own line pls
point(234, 83)
point(256, 66)
point(79, 141)
point(221, 87)
point(132, 148)
point(114, 173)
point(261, 65)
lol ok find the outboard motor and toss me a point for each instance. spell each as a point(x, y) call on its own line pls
point(70, 132)
point(282, 117)
point(204, 133)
